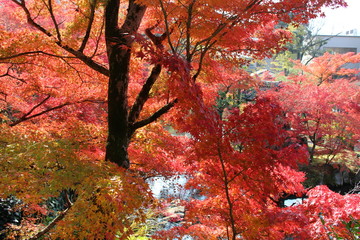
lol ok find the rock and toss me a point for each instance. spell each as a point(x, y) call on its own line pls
point(337, 177)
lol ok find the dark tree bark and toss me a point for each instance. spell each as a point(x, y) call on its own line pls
point(123, 120)
point(119, 41)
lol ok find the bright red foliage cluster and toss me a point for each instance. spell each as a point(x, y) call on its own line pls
point(244, 160)
point(323, 104)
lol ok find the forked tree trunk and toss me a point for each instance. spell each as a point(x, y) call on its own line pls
point(119, 41)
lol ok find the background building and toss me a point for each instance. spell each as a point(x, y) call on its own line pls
point(343, 44)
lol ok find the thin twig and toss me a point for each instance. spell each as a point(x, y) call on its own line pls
point(27, 117)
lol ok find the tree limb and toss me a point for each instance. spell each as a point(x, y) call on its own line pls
point(202, 55)
point(81, 56)
point(35, 107)
point(53, 223)
point(89, 26)
point(209, 38)
point(11, 76)
point(26, 116)
point(133, 18)
point(111, 18)
point(167, 26)
point(188, 29)
point(252, 4)
point(87, 60)
point(30, 53)
point(144, 94)
point(50, 8)
point(153, 117)
point(227, 192)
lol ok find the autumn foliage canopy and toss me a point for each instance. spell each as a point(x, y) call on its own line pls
point(98, 95)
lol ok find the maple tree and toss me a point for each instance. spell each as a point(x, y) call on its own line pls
point(223, 161)
point(305, 43)
point(241, 166)
point(325, 110)
point(69, 66)
point(71, 32)
point(105, 196)
point(304, 46)
point(243, 200)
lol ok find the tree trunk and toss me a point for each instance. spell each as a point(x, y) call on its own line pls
point(118, 134)
point(119, 42)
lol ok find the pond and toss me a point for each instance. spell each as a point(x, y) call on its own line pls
point(172, 187)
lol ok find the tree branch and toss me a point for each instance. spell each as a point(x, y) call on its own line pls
point(209, 38)
point(87, 60)
point(50, 8)
point(167, 26)
point(227, 192)
point(153, 117)
point(188, 29)
point(144, 94)
point(133, 18)
point(82, 57)
point(89, 26)
point(29, 18)
point(53, 223)
point(112, 16)
point(77, 55)
point(35, 107)
point(26, 116)
point(98, 39)
point(252, 4)
point(11, 76)
point(30, 53)
point(202, 55)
